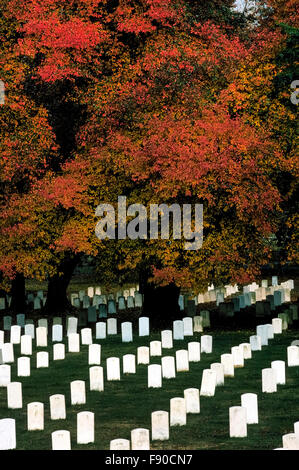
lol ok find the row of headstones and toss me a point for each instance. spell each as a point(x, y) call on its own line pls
point(94, 352)
point(61, 440)
point(265, 303)
point(254, 293)
point(182, 328)
point(42, 358)
point(79, 394)
point(239, 416)
point(247, 413)
point(94, 295)
point(104, 305)
point(203, 320)
point(215, 376)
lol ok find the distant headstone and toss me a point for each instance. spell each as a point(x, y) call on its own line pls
point(7, 322)
point(249, 402)
point(7, 434)
point(178, 413)
point(255, 343)
point(14, 395)
point(113, 368)
point(61, 440)
point(94, 354)
point(182, 361)
point(228, 365)
point(237, 421)
point(218, 368)
point(126, 332)
point(41, 337)
point(78, 394)
point(74, 343)
point(178, 330)
point(143, 326)
point(160, 426)
point(129, 364)
point(238, 358)
point(205, 315)
point(246, 350)
point(111, 326)
point(206, 344)
point(85, 427)
point(154, 379)
point(155, 348)
point(37, 304)
point(96, 379)
point(268, 381)
point(166, 339)
point(138, 299)
point(26, 345)
point(7, 353)
point(5, 375)
point(121, 303)
point(42, 359)
point(194, 351)
point(290, 441)
point(280, 371)
point(57, 333)
point(21, 320)
point(100, 330)
point(15, 334)
point(208, 383)
point(30, 330)
point(90, 292)
point(168, 367)
point(143, 356)
point(23, 367)
point(72, 325)
point(140, 439)
point(35, 416)
point(57, 407)
point(86, 301)
point(293, 356)
point(120, 444)
point(188, 326)
point(191, 396)
point(197, 324)
point(130, 302)
point(103, 311)
point(86, 336)
point(111, 307)
point(58, 352)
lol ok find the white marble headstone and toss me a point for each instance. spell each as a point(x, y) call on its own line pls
point(85, 427)
point(154, 375)
point(7, 434)
point(78, 394)
point(113, 368)
point(178, 412)
point(160, 425)
point(192, 401)
point(35, 416)
point(168, 367)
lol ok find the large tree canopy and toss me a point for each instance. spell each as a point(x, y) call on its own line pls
point(161, 101)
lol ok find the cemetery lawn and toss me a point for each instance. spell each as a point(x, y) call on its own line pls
point(128, 404)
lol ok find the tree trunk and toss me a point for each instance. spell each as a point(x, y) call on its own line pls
point(160, 302)
point(18, 296)
point(57, 301)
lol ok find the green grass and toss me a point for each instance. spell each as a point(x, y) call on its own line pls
point(128, 404)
